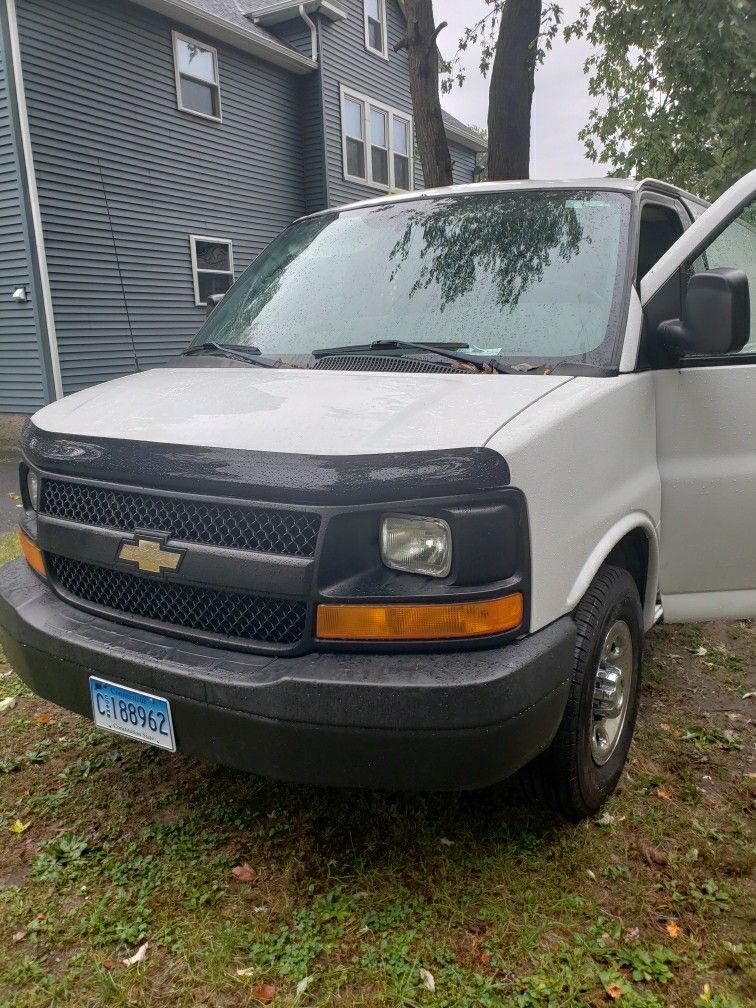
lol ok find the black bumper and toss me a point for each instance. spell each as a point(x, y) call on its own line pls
point(399, 721)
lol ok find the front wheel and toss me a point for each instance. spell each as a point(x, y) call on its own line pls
point(583, 764)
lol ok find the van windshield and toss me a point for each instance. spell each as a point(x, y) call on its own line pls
point(532, 276)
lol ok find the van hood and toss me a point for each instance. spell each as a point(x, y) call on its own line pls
point(299, 411)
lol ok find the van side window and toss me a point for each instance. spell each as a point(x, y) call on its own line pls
point(735, 247)
point(660, 227)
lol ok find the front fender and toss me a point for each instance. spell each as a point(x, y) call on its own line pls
point(605, 545)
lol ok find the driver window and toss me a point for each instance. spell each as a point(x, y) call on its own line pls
point(660, 227)
point(735, 247)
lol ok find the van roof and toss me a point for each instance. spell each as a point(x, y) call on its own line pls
point(627, 185)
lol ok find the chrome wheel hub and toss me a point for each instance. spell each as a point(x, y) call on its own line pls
point(612, 689)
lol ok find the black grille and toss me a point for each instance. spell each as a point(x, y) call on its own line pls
point(360, 362)
point(249, 617)
point(286, 533)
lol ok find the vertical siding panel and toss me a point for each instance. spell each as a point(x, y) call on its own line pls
point(22, 385)
point(124, 178)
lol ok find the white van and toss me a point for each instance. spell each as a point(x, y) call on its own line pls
point(402, 513)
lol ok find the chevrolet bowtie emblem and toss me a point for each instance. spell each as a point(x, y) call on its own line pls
point(149, 556)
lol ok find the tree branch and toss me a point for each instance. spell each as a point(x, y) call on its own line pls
point(436, 33)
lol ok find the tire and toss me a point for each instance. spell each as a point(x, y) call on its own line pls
point(582, 766)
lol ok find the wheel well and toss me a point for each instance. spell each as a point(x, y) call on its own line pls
point(631, 553)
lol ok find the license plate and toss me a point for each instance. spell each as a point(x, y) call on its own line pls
point(130, 712)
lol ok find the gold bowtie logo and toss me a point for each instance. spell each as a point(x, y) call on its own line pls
point(149, 556)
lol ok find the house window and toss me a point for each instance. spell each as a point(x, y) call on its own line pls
point(377, 143)
point(376, 33)
point(401, 153)
point(197, 80)
point(379, 146)
point(212, 266)
point(354, 137)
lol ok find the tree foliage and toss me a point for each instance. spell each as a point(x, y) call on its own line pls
point(675, 84)
point(485, 33)
point(512, 36)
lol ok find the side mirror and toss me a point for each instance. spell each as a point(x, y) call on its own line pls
point(716, 318)
point(213, 300)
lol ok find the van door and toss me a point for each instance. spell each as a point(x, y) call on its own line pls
point(706, 428)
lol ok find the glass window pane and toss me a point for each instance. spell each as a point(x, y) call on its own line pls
point(735, 247)
point(401, 136)
point(213, 255)
point(195, 60)
point(374, 9)
point(380, 165)
point(378, 128)
point(353, 118)
point(199, 97)
point(544, 273)
point(375, 35)
point(355, 157)
point(401, 172)
point(213, 283)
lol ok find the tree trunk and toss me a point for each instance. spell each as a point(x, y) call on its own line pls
point(511, 90)
point(420, 43)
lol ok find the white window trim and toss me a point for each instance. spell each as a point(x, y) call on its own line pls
point(367, 104)
point(196, 270)
point(382, 8)
point(177, 74)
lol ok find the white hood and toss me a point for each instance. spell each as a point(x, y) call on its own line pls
point(307, 412)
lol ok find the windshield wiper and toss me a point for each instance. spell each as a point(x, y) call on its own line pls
point(252, 355)
point(385, 345)
point(448, 350)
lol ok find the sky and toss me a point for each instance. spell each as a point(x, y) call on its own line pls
point(561, 102)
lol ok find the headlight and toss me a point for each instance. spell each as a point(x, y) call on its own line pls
point(32, 485)
point(416, 544)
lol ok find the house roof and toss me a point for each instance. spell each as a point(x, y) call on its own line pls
point(274, 11)
point(457, 130)
point(226, 21)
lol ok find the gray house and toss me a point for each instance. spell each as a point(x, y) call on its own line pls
point(149, 149)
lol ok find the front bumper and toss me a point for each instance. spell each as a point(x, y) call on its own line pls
point(396, 721)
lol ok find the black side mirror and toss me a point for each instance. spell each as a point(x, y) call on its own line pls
point(717, 318)
point(213, 300)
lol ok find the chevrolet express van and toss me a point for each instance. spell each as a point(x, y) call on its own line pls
point(403, 511)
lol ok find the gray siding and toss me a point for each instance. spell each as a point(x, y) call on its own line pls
point(296, 34)
point(313, 150)
point(463, 163)
point(346, 61)
point(463, 166)
point(22, 383)
point(124, 178)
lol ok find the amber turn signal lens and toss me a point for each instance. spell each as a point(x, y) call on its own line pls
point(419, 622)
point(32, 552)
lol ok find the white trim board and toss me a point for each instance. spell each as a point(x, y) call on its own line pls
point(31, 183)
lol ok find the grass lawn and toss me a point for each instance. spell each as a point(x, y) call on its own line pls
point(105, 844)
